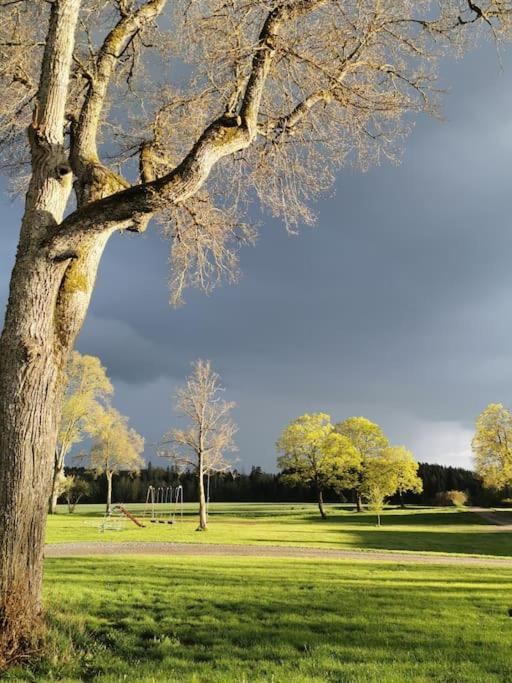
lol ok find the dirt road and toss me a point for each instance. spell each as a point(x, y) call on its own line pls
point(225, 550)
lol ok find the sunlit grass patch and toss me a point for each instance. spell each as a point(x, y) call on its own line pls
point(437, 530)
point(222, 619)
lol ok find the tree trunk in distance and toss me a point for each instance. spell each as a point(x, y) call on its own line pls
point(57, 471)
point(321, 504)
point(359, 506)
point(203, 521)
point(109, 491)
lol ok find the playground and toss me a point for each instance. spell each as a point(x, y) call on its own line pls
point(164, 505)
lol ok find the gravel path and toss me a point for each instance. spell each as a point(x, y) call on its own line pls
point(201, 549)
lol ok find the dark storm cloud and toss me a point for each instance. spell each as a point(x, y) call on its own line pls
point(396, 306)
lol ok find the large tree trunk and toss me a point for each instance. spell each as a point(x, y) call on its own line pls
point(321, 504)
point(28, 419)
point(203, 517)
point(31, 378)
point(33, 350)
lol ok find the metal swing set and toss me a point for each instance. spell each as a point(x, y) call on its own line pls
point(164, 505)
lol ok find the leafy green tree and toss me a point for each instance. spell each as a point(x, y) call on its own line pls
point(492, 446)
point(390, 470)
point(313, 453)
point(407, 467)
point(116, 447)
point(87, 387)
point(368, 439)
point(75, 488)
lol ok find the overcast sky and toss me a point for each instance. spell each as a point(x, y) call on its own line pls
point(397, 306)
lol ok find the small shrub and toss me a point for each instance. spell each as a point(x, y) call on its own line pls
point(456, 498)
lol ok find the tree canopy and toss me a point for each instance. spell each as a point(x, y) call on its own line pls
point(389, 471)
point(407, 470)
point(368, 439)
point(311, 451)
point(87, 388)
point(260, 99)
point(116, 446)
point(492, 446)
point(87, 391)
point(353, 454)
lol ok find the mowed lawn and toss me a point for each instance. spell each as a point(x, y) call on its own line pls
point(212, 619)
point(433, 530)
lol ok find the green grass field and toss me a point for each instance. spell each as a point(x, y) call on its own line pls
point(435, 530)
point(214, 619)
point(250, 619)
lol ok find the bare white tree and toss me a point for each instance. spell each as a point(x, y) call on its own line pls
point(254, 100)
point(202, 444)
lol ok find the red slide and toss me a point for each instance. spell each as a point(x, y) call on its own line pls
point(128, 514)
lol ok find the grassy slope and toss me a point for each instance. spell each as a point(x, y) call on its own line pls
point(221, 619)
point(428, 530)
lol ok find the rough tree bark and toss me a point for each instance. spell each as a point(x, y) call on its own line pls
point(32, 352)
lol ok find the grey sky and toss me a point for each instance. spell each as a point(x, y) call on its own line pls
point(396, 306)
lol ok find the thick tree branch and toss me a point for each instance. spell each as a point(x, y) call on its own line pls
point(84, 143)
point(300, 112)
point(264, 56)
point(224, 137)
point(49, 114)
point(121, 210)
point(50, 182)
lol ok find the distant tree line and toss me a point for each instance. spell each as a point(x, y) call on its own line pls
point(266, 487)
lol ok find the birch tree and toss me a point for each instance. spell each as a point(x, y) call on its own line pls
point(255, 100)
point(87, 387)
point(390, 470)
point(201, 445)
point(116, 447)
point(380, 481)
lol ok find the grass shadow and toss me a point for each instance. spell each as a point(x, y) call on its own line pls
point(252, 619)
